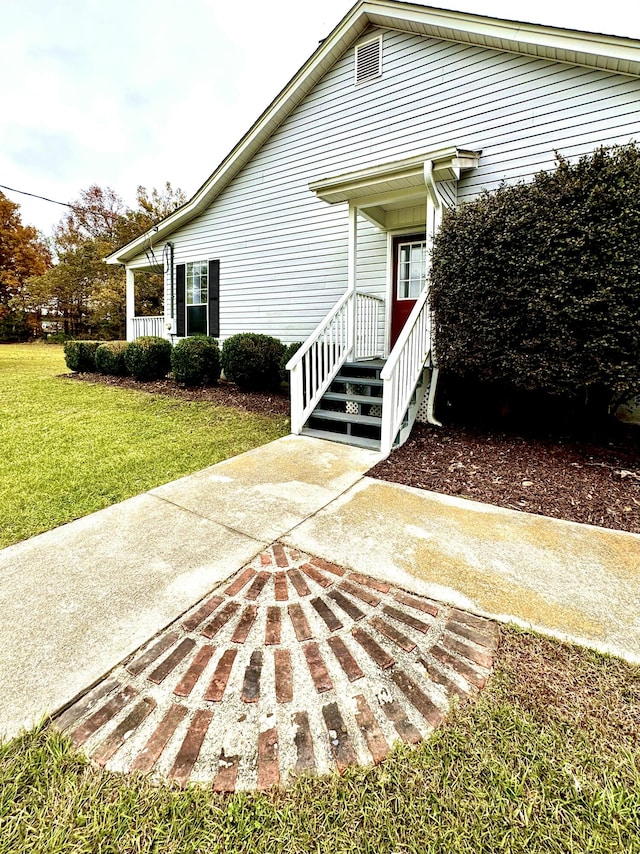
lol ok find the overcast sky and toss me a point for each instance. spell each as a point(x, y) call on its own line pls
point(128, 92)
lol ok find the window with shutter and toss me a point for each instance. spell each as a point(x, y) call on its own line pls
point(198, 298)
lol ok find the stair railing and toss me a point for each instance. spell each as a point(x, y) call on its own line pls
point(314, 366)
point(368, 320)
point(402, 371)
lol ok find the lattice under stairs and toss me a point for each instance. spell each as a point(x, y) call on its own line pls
point(350, 411)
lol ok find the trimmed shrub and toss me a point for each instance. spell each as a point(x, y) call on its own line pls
point(148, 357)
point(252, 361)
point(289, 351)
point(538, 285)
point(110, 358)
point(196, 361)
point(81, 355)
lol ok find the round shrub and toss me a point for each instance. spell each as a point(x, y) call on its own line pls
point(110, 358)
point(538, 285)
point(81, 355)
point(196, 361)
point(148, 358)
point(289, 351)
point(252, 361)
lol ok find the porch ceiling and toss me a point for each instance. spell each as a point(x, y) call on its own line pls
point(391, 184)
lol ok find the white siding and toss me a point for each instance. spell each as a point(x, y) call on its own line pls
point(283, 253)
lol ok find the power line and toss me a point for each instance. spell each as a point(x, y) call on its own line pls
point(36, 196)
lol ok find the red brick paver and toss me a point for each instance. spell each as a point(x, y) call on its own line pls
point(314, 668)
point(268, 771)
point(190, 748)
point(188, 682)
point(319, 674)
point(246, 621)
point(152, 751)
point(218, 684)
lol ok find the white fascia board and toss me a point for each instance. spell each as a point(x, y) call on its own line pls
point(611, 53)
point(366, 185)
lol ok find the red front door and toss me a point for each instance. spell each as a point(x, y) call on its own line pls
point(409, 271)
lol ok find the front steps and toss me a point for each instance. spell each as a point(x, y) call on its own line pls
point(351, 409)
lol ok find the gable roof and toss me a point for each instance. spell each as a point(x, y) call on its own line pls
point(609, 53)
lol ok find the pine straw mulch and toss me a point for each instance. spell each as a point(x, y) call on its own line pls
point(592, 479)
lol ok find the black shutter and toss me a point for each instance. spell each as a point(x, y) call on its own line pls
point(214, 298)
point(180, 298)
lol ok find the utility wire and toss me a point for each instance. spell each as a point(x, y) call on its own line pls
point(35, 196)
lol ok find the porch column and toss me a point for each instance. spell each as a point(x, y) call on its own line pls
point(131, 302)
point(352, 270)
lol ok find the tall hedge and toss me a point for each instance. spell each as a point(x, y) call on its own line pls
point(538, 285)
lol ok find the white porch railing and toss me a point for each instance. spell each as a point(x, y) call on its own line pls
point(403, 368)
point(368, 310)
point(324, 352)
point(148, 326)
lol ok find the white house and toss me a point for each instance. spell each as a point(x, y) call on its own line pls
point(316, 227)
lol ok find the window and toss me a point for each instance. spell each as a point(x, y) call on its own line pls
point(412, 268)
point(197, 297)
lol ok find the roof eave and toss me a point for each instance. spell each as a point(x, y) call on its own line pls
point(610, 53)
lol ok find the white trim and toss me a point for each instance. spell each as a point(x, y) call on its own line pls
point(395, 180)
point(608, 53)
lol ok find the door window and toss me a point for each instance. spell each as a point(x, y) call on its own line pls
point(412, 267)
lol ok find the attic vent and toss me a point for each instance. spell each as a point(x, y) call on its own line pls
point(369, 60)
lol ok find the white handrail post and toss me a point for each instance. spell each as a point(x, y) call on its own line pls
point(295, 387)
point(351, 327)
point(352, 276)
point(388, 395)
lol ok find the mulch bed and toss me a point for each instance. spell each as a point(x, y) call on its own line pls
point(594, 480)
point(223, 394)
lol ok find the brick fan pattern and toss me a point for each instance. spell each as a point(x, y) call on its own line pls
point(291, 666)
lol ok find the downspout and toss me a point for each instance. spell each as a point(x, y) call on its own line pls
point(433, 210)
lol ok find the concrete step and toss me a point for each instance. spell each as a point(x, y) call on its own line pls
point(343, 438)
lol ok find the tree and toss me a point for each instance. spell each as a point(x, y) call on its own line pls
point(152, 207)
point(23, 253)
point(87, 294)
point(538, 285)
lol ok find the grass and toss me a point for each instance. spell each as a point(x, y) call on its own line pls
point(69, 448)
point(546, 760)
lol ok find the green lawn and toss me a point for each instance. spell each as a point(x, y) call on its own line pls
point(69, 448)
point(545, 762)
